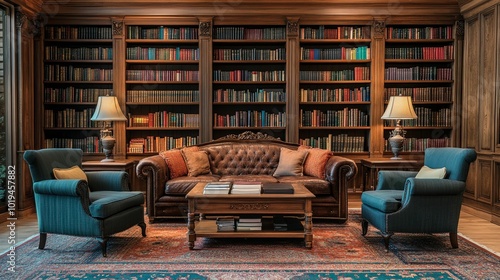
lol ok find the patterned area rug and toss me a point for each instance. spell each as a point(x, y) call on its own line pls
point(339, 252)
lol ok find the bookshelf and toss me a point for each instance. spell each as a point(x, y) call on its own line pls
point(419, 62)
point(78, 67)
point(334, 87)
point(162, 87)
point(249, 82)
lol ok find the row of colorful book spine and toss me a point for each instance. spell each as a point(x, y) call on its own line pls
point(250, 54)
point(74, 95)
point(163, 96)
point(340, 32)
point(421, 94)
point(70, 118)
point(80, 53)
point(419, 73)
point(172, 54)
point(348, 117)
point(162, 75)
point(78, 32)
point(165, 119)
point(62, 73)
point(340, 53)
point(336, 143)
point(426, 117)
point(259, 95)
point(156, 144)
point(89, 144)
point(162, 33)
point(244, 33)
point(250, 119)
point(426, 32)
point(356, 74)
point(430, 53)
point(361, 94)
point(249, 75)
point(420, 144)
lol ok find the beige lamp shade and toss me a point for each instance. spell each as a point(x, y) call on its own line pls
point(108, 109)
point(399, 108)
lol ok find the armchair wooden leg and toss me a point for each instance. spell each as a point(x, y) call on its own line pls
point(43, 239)
point(454, 240)
point(143, 227)
point(387, 237)
point(104, 243)
point(364, 227)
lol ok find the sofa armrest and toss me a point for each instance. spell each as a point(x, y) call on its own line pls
point(340, 169)
point(155, 171)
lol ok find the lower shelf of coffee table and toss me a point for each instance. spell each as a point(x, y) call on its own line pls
point(208, 228)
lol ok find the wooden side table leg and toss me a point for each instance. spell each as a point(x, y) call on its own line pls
point(308, 231)
point(191, 232)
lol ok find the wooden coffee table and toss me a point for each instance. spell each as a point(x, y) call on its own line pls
point(296, 204)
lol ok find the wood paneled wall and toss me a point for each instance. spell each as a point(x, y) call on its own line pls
point(481, 105)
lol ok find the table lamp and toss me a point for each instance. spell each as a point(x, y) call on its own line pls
point(399, 108)
point(108, 110)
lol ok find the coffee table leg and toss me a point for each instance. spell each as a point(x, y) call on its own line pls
point(308, 230)
point(191, 232)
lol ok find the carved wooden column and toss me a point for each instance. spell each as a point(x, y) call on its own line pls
point(292, 79)
point(377, 88)
point(457, 94)
point(205, 70)
point(119, 87)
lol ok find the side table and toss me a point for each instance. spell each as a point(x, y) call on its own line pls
point(371, 166)
point(127, 165)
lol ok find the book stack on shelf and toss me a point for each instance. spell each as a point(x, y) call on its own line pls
point(246, 187)
point(249, 223)
point(279, 223)
point(217, 188)
point(225, 223)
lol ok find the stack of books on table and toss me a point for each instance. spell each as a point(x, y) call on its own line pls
point(280, 188)
point(246, 187)
point(217, 188)
point(225, 223)
point(249, 223)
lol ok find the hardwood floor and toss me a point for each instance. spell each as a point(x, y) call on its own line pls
point(471, 226)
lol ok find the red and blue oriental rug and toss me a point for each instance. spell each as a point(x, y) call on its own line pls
point(339, 252)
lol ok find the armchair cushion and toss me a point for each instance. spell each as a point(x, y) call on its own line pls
point(431, 173)
point(386, 201)
point(74, 172)
point(104, 204)
point(291, 162)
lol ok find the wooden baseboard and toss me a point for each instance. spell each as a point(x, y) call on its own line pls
point(480, 214)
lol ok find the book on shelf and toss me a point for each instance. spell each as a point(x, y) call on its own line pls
point(217, 188)
point(277, 188)
point(250, 218)
point(246, 187)
point(279, 223)
point(225, 223)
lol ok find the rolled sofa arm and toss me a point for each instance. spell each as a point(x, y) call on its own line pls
point(339, 169)
point(154, 170)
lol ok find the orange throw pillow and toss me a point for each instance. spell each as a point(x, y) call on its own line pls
point(175, 162)
point(315, 161)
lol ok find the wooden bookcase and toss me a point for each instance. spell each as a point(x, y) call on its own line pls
point(334, 89)
point(78, 67)
point(419, 62)
point(223, 76)
point(249, 80)
point(162, 87)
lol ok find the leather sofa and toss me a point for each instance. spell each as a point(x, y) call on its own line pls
point(246, 157)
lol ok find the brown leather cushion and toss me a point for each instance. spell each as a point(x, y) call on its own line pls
point(182, 185)
point(250, 178)
point(313, 184)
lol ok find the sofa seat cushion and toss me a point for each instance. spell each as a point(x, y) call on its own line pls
point(182, 185)
point(104, 204)
point(252, 178)
point(386, 201)
point(313, 184)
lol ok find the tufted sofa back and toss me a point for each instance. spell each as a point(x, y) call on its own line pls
point(244, 157)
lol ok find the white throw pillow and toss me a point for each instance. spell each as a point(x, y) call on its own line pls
point(429, 173)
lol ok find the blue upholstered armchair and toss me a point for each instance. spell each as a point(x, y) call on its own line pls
point(98, 208)
point(403, 203)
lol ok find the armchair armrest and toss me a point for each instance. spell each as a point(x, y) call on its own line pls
point(108, 180)
point(431, 187)
point(61, 187)
point(155, 171)
point(393, 179)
